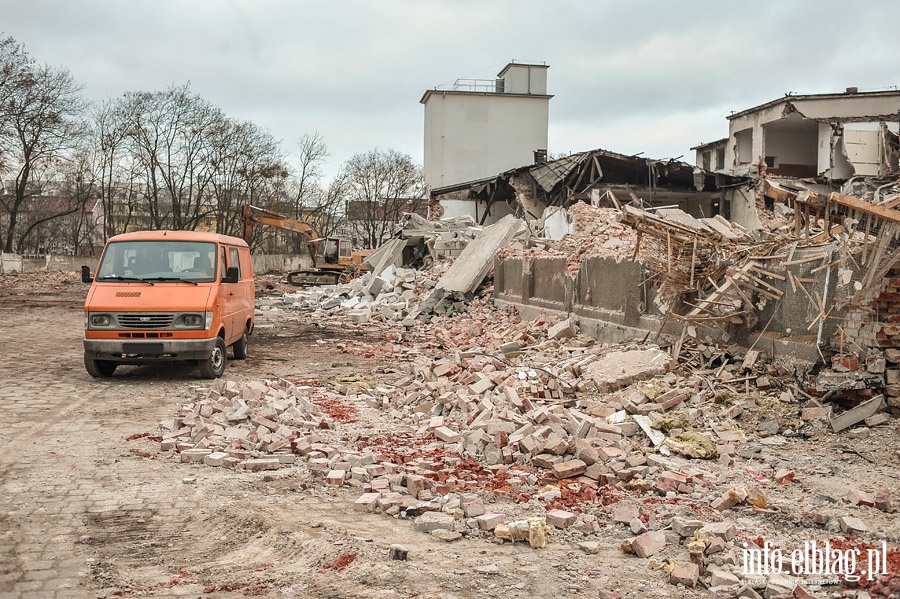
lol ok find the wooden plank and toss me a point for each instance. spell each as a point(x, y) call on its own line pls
point(763, 283)
point(772, 257)
point(766, 273)
point(737, 288)
point(637, 246)
point(866, 239)
point(805, 260)
point(824, 266)
point(865, 207)
point(759, 290)
point(825, 235)
point(693, 262)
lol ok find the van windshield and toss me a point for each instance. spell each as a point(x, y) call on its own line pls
point(158, 261)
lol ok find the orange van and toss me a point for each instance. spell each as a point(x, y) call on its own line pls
point(168, 296)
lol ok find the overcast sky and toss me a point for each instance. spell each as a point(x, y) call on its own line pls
point(628, 76)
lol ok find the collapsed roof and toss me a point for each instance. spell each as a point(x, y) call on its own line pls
point(589, 176)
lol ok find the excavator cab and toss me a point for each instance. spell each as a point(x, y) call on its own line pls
point(330, 251)
point(333, 252)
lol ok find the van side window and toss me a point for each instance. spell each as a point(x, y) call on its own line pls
point(234, 260)
point(224, 268)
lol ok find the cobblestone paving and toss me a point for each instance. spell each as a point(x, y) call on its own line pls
point(68, 477)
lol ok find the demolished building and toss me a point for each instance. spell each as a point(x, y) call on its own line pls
point(590, 177)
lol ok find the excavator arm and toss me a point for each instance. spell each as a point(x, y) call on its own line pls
point(252, 215)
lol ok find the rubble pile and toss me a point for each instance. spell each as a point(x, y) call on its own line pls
point(441, 239)
point(594, 232)
point(243, 425)
point(390, 293)
point(577, 437)
point(45, 279)
point(528, 431)
point(390, 297)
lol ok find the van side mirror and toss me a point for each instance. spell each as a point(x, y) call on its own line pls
point(86, 276)
point(231, 275)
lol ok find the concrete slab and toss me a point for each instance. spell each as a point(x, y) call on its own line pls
point(619, 369)
point(390, 253)
point(473, 264)
point(858, 414)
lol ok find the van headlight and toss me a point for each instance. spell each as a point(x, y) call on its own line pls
point(192, 321)
point(99, 321)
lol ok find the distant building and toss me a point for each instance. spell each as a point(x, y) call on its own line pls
point(480, 127)
point(711, 156)
point(832, 136)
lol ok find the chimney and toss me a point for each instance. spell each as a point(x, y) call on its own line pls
point(852, 90)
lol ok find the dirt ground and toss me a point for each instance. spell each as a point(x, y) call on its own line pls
point(90, 506)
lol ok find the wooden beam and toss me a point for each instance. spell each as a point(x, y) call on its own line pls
point(865, 207)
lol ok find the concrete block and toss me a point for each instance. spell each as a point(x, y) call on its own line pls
point(489, 521)
point(685, 527)
point(433, 521)
point(258, 464)
point(367, 502)
point(336, 477)
point(857, 497)
point(560, 518)
point(569, 469)
point(471, 266)
point(685, 573)
point(723, 530)
point(415, 484)
point(446, 435)
point(398, 552)
point(215, 458)
point(852, 525)
point(561, 330)
point(194, 455)
point(624, 513)
point(858, 414)
point(649, 543)
point(722, 578)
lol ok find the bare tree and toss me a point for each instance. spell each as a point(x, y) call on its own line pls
point(39, 125)
point(309, 195)
point(15, 65)
point(56, 218)
point(381, 187)
point(313, 153)
point(248, 168)
point(111, 160)
point(169, 134)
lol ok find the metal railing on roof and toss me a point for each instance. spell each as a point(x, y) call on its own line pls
point(479, 85)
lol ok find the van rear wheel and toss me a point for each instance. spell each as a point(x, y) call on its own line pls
point(99, 368)
point(214, 366)
point(240, 347)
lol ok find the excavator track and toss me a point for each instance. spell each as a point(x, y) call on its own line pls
point(310, 278)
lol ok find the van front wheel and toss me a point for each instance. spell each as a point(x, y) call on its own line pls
point(240, 347)
point(214, 366)
point(99, 368)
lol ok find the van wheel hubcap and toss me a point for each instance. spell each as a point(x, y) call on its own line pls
point(216, 358)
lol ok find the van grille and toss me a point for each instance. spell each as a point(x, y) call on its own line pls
point(145, 321)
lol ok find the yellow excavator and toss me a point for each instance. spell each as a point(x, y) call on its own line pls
point(333, 258)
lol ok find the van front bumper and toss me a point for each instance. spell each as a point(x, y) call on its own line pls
point(153, 350)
